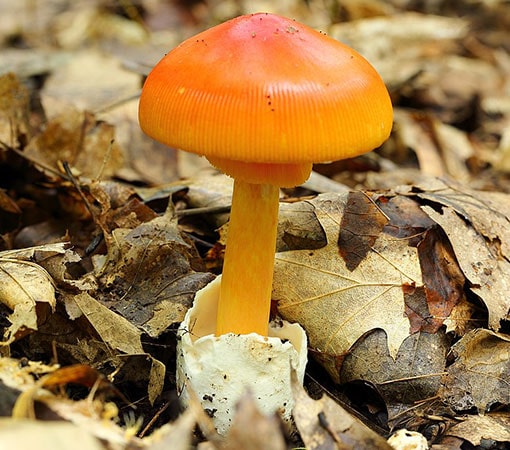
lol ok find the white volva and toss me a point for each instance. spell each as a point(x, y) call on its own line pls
point(219, 369)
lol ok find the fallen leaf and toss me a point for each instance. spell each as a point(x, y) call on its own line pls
point(487, 212)
point(26, 288)
point(324, 425)
point(362, 222)
point(81, 83)
point(411, 377)
point(299, 228)
point(443, 282)
point(337, 306)
point(209, 189)
point(21, 377)
point(27, 63)
point(78, 138)
point(113, 329)
point(475, 429)
point(76, 27)
point(414, 132)
point(406, 219)
point(480, 263)
point(440, 149)
point(148, 275)
point(119, 334)
point(143, 370)
point(94, 417)
point(77, 374)
point(480, 376)
point(118, 206)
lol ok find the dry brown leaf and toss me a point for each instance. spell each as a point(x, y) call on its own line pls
point(337, 306)
point(118, 206)
point(299, 228)
point(494, 427)
point(211, 189)
point(487, 212)
point(443, 284)
point(113, 329)
point(406, 219)
point(148, 275)
point(27, 63)
point(150, 162)
point(414, 375)
point(119, 334)
point(88, 22)
point(93, 416)
point(8, 205)
point(440, 149)
point(56, 381)
point(429, 306)
point(455, 149)
point(76, 137)
point(26, 287)
point(362, 222)
point(480, 375)
point(325, 425)
point(19, 376)
point(483, 267)
point(413, 131)
point(454, 86)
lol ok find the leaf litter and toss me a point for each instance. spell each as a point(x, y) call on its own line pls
point(401, 284)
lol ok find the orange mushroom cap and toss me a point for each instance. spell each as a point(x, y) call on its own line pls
point(267, 90)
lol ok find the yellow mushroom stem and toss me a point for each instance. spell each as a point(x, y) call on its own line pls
point(247, 278)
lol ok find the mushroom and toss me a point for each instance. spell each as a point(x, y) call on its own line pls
point(262, 97)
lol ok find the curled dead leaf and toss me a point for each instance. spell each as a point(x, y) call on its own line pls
point(27, 288)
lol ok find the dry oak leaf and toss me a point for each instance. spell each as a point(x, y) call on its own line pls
point(337, 306)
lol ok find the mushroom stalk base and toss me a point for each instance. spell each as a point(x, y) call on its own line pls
point(219, 369)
